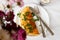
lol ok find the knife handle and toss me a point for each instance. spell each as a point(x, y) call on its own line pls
point(47, 27)
point(43, 33)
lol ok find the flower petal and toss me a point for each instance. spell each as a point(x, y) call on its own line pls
point(2, 14)
point(10, 16)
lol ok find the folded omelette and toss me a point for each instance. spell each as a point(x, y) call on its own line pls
point(27, 22)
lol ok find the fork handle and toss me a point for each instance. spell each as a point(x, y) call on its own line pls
point(43, 33)
point(47, 27)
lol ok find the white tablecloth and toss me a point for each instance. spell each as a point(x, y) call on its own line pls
point(53, 10)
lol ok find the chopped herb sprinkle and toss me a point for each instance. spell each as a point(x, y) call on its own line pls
point(30, 27)
point(36, 16)
point(33, 14)
point(28, 24)
point(19, 14)
point(24, 17)
point(27, 13)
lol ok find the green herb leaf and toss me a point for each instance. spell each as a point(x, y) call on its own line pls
point(30, 29)
point(33, 20)
point(19, 14)
point(33, 14)
point(24, 17)
point(27, 13)
point(28, 24)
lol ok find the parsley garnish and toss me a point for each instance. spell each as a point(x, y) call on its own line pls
point(24, 17)
point(33, 14)
point(28, 24)
point(27, 13)
point(33, 18)
point(30, 27)
point(19, 14)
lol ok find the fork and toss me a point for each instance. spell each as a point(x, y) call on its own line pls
point(43, 21)
point(43, 33)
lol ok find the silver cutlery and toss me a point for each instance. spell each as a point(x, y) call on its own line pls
point(43, 33)
point(44, 22)
point(42, 29)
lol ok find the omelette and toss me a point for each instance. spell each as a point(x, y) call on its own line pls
point(27, 22)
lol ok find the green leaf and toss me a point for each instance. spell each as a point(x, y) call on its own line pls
point(19, 14)
point(24, 17)
point(28, 24)
point(30, 29)
point(33, 14)
point(27, 13)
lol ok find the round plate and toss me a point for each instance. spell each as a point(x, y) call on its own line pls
point(43, 14)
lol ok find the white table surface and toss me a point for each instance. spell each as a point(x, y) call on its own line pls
point(53, 10)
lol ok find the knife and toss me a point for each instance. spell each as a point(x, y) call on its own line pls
point(36, 13)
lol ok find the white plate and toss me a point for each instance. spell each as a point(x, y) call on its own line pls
point(43, 14)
